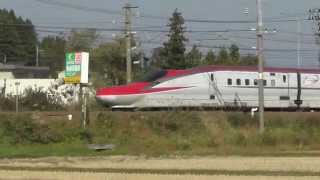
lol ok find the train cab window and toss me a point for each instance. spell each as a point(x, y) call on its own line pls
point(247, 82)
point(284, 78)
point(212, 77)
point(229, 82)
point(273, 83)
point(238, 82)
point(153, 76)
point(255, 82)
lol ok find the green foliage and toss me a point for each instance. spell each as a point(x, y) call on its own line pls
point(52, 54)
point(24, 130)
point(109, 60)
point(109, 63)
point(210, 58)
point(7, 103)
point(163, 133)
point(81, 41)
point(173, 53)
point(37, 99)
point(34, 99)
point(18, 37)
point(193, 58)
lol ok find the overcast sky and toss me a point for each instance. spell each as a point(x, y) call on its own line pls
point(280, 45)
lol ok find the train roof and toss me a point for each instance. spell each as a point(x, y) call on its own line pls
point(203, 69)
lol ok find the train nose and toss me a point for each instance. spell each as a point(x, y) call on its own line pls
point(107, 99)
point(120, 95)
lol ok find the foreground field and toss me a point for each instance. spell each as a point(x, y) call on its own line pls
point(27, 175)
point(155, 134)
point(129, 167)
point(286, 164)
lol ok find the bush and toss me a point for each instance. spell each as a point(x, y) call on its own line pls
point(238, 120)
point(37, 99)
point(7, 103)
point(23, 130)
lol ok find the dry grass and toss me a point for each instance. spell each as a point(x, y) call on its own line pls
point(27, 175)
point(306, 164)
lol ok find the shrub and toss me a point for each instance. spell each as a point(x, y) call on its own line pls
point(37, 99)
point(23, 130)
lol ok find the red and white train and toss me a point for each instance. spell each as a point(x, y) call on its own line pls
point(218, 87)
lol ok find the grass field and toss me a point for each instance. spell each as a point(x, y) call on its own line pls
point(181, 133)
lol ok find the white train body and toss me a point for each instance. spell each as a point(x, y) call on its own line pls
point(219, 87)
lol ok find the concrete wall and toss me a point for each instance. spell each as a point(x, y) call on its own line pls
point(6, 75)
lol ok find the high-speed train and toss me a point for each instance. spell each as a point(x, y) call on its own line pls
point(218, 87)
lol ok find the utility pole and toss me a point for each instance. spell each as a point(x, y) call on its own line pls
point(314, 14)
point(37, 55)
point(260, 65)
point(17, 84)
point(299, 31)
point(128, 23)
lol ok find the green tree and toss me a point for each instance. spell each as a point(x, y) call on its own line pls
point(210, 58)
point(234, 54)
point(249, 60)
point(193, 58)
point(18, 38)
point(173, 53)
point(223, 57)
point(53, 49)
point(81, 40)
point(109, 63)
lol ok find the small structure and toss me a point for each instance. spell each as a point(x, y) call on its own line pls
point(8, 71)
point(101, 147)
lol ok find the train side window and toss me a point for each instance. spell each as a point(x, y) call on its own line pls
point(284, 78)
point(212, 77)
point(284, 98)
point(212, 97)
point(229, 82)
point(265, 82)
point(272, 74)
point(247, 82)
point(238, 82)
point(255, 82)
point(273, 83)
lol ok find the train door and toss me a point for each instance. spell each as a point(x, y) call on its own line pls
point(214, 91)
point(285, 92)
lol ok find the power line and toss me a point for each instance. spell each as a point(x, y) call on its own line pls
point(79, 7)
point(190, 20)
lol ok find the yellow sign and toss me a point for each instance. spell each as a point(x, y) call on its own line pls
point(72, 80)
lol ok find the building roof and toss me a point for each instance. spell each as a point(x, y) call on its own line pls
point(10, 67)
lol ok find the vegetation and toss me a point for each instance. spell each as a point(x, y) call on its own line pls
point(31, 99)
point(161, 133)
point(18, 38)
point(173, 53)
point(52, 54)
